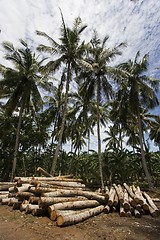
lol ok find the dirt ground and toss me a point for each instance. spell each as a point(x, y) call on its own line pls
point(15, 225)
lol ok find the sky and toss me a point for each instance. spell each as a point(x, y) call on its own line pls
point(135, 22)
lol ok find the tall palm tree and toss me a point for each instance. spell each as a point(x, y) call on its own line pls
point(141, 93)
point(68, 52)
point(154, 133)
point(22, 83)
point(96, 80)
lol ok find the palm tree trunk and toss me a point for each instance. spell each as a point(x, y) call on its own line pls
point(99, 138)
point(53, 167)
point(17, 141)
point(144, 164)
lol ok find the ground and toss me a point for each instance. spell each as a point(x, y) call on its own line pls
point(15, 225)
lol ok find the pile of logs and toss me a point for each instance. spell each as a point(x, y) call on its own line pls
point(67, 201)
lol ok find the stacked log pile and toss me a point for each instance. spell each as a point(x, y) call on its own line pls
point(67, 201)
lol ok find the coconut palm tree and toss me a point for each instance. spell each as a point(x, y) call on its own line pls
point(154, 133)
point(68, 51)
point(96, 80)
point(21, 83)
point(141, 93)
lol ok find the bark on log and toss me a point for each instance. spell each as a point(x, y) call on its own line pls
point(112, 194)
point(12, 201)
point(126, 204)
point(139, 207)
point(93, 196)
point(33, 200)
point(11, 189)
point(5, 201)
point(106, 209)
point(30, 208)
point(119, 192)
point(138, 196)
point(122, 212)
point(7, 183)
point(55, 213)
point(72, 185)
point(13, 194)
point(45, 173)
point(60, 193)
point(66, 184)
point(116, 201)
point(47, 201)
point(3, 197)
point(73, 205)
point(153, 212)
point(23, 188)
point(24, 205)
point(132, 202)
point(79, 217)
point(22, 179)
point(128, 213)
point(151, 203)
point(4, 192)
point(129, 190)
point(5, 187)
point(106, 189)
point(24, 195)
point(137, 213)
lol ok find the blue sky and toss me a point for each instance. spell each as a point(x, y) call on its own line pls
point(135, 22)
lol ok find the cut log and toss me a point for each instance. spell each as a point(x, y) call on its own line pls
point(24, 195)
point(11, 189)
point(13, 194)
point(47, 201)
point(106, 194)
point(93, 196)
point(122, 211)
point(112, 194)
point(137, 213)
point(66, 184)
point(56, 213)
point(45, 173)
point(33, 200)
point(30, 208)
point(106, 209)
point(132, 202)
point(128, 213)
point(126, 204)
point(5, 187)
point(4, 192)
point(116, 201)
point(7, 183)
point(153, 212)
point(79, 217)
point(150, 202)
point(24, 188)
point(73, 205)
point(12, 201)
point(23, 179)
point(129, 190)
point(24, 205)
point(139, 207)
point(5, 201)
point(138, 196)
point(119, 192)
point(60, 193)
point(3, 197)
point(39, 212)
